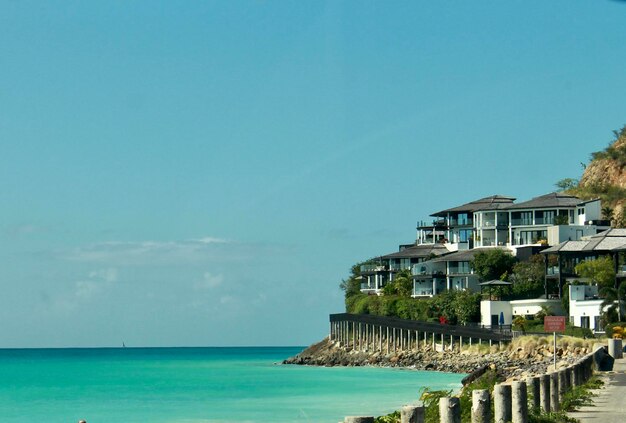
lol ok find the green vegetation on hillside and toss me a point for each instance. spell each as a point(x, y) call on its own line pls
point(613, 152)
point(609, 193)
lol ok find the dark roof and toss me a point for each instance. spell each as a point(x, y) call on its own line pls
point(488, 203)
point(609, 240)
point(464, 255)
point(419, 251)
point(495, 282)
point(552, 200)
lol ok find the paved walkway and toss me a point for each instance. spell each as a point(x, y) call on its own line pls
point(609, 406)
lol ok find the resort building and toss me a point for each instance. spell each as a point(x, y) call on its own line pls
point(562, 259)
point(376, 274)
point(440, 258)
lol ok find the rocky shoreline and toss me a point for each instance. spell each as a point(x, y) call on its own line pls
point(517, 361)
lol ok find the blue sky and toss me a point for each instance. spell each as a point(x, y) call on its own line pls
point(205, 173)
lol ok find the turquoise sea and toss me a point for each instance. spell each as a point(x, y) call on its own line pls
point(193, 385)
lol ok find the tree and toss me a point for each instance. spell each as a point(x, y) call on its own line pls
point(613, 300)
point(528, 278)
point(599, 271)
point(467, 307)
point(567, 183)
point(494, 263)
point(608, 213)
point(402, 284)
point(352, 285)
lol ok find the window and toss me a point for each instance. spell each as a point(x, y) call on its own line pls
point(465, 235)
point(596, 322)
point(584, 322)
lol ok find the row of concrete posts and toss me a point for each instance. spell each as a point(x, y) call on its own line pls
point(385, 339)
point(512, 402)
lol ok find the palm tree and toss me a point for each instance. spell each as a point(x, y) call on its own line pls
point(613, 299)
point(608, 213)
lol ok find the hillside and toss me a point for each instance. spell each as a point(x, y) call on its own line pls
point(605, 178)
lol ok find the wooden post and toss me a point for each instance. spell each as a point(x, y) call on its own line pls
point(481, 406)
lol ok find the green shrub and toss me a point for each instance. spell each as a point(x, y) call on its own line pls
point(608, 329)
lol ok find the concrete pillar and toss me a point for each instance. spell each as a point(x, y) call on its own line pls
point(412, 414)
point(573, 375)
point(563, 388)
point(358, 419)
point(481, 406)
point(615, 348)
point(544, 393)
point(532, 384)
point(554, 391)
point(449, 410)
point(433, 341)
point(519, 401)
point(443, 345)
point(502, 403)
point(387, 339)
point(353, 335)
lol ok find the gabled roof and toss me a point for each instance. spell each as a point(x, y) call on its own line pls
point(419, 251)
point(608, 241)
point(487, 203)
point(465, 255)
point(552, 200)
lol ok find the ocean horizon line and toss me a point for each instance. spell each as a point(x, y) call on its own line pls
point(126, 347)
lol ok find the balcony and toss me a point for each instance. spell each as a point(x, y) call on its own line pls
point(423, 293)
point(368, 268)
point(462, 222)
point(460, 270)
point(521, 222)
point(420, 270)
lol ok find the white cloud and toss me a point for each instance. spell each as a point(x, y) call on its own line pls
point(197, 250)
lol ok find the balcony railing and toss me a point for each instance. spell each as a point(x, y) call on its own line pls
point(460, 270)
point(371, 268)
point(519, 222)
point(423, 292)
point(462, 222)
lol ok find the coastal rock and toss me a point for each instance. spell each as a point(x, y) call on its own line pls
point(516, 362)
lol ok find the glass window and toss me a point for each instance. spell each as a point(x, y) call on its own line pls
point(584, 322)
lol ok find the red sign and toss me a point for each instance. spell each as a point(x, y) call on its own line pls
point(554, 324)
